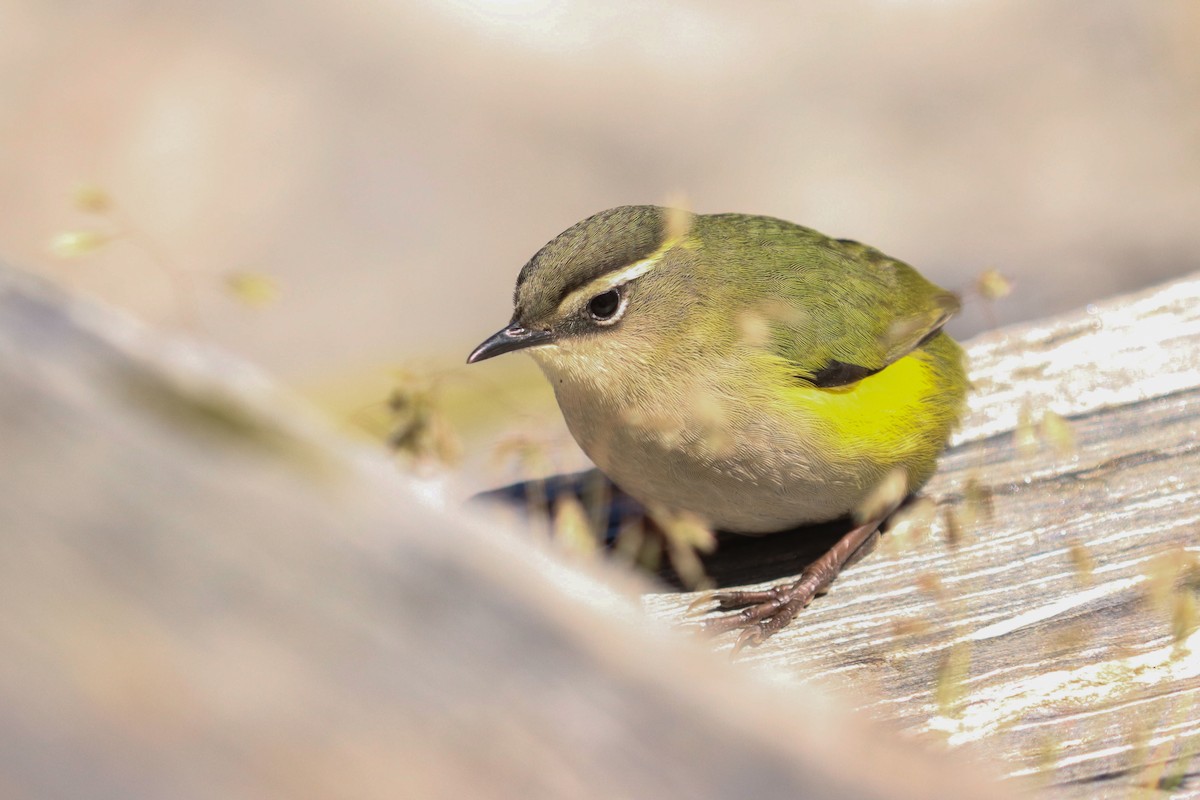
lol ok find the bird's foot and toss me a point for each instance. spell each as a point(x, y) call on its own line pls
point(760, 613)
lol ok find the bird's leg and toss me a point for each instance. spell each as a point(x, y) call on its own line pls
point(769, 610)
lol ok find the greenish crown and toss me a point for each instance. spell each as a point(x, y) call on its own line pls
point(596, 246)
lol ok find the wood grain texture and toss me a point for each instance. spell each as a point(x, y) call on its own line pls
point(1058, 633)
point(204, 593)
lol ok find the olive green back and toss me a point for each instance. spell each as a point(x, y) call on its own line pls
point(823, 300)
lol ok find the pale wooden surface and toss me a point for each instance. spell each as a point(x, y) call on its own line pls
point(1074, 676)
point(204, 593)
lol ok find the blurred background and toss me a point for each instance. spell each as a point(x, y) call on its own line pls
point(338, 189)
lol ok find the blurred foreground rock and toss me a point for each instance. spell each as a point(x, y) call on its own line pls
point(203, 593)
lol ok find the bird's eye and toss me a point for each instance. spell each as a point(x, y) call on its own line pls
point(604, 306)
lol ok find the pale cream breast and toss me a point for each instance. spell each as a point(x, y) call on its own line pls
point(703, 448)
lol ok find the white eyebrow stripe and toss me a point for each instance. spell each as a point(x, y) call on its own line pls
point(612, 280)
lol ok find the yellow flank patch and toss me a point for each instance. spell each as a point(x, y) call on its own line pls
point(889, 416)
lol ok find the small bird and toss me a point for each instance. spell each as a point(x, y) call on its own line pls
point(747, 369)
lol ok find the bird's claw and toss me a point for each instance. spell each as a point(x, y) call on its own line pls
point(758, 614)
point(731, 601)
point(702, 605)
point(750, 636)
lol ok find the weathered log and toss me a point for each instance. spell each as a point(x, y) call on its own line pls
point(1057, 631)
point(1046, 612)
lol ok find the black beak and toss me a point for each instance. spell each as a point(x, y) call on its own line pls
point(514, 337)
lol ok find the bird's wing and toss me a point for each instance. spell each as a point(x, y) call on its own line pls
point(848, 310)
